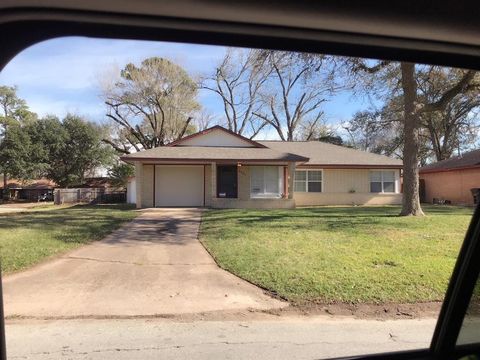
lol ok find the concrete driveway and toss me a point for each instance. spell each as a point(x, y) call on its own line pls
point(154, 265)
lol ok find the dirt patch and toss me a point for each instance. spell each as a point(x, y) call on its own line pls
point(367, 311)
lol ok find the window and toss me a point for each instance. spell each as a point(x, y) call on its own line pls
point(382, 181)
point(265, 181)
point(308, 181)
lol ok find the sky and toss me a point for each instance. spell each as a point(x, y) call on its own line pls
point(62, 75)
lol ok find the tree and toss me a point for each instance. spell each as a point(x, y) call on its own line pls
point(150, 105)
point(68, 149)
point(455, 126)
point(393, 80)
point(374, 131)
point(297, 86)
point(238, 80)
point(15, 150)
point(314, 130)
point(13, 112)
point(119, 174)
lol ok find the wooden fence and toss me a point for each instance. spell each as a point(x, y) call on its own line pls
point(88, 195)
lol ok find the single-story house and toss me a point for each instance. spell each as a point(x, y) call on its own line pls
point(99, 182)
point(452, 180)
point(31, 190)
point(220, 169)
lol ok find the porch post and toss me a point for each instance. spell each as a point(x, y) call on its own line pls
point(291, 174)
point(214, 180)
point(138, 183)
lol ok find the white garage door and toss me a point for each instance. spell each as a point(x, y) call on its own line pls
point(177, 185)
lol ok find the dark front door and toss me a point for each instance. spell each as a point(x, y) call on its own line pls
point(227, 181)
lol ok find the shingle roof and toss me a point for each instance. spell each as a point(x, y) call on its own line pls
point(197, 153)
point(32, 184)
point(467, 160)
point(321, 153)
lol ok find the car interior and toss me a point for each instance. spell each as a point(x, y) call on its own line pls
point(422, 32)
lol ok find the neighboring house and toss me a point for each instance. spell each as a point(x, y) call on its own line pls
point(220, 169)
point(452, 180)
point(100, 182)
point(31, 190)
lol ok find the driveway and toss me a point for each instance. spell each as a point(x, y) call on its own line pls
point(154, 265)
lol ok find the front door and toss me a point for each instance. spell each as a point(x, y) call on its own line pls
point(227, 181)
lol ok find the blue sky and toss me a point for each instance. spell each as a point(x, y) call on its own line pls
point(62, 75)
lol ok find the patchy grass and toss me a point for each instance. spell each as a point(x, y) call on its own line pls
point(340, 254)
point(28, 238)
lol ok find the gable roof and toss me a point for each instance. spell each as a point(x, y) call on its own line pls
point(209, 153)
point(466, 161)
point(216, 128)
point(313, 153)
point(326, 154)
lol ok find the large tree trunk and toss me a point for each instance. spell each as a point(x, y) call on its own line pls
point(411, 197)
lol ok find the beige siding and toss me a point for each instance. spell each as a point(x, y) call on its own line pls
point(344, 180)
point(253, 203)
point(208, 185)
point(348, 187)
point(244, 183)
point(138, 184)
point(311, 199)
point(216, 138)
point(147, 186)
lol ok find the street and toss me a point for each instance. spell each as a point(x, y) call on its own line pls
point(284, 338)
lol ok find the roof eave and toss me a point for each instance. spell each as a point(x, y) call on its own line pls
point(429, 171)
point(353, 166)
point(159, 159)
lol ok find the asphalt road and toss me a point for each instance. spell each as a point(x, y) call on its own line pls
point(286, 338)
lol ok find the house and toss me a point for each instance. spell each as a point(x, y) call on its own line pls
point(220, 169)
point(452, 180)
point(31, 190)
point(99, 182)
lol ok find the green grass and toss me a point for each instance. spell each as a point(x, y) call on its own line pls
point(340, 254)
point(28, 238)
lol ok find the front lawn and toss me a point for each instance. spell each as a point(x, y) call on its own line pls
point(28, 238)
point(339, 254)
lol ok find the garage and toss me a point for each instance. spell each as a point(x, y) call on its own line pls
point(179, 185)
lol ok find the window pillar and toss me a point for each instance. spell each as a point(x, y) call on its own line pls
point(291, 175)
point(138, 183)
point(214, 179)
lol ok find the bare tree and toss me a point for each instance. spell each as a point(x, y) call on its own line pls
point(204, 119)
point(313, 130)
point(150, 105)
point(376, 131)
point(298, 84)
point(238, 81)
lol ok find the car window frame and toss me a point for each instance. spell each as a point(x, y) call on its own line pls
point(23, 27)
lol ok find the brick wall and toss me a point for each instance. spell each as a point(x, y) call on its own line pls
point(451, 185)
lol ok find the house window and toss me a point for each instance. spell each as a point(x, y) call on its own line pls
point(382, 181)
point(265, 181)
point(308, 181)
